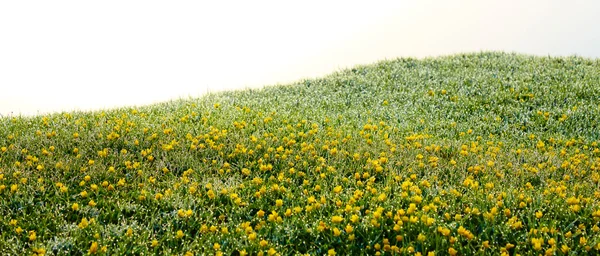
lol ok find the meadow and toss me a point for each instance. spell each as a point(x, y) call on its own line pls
point(472, 154)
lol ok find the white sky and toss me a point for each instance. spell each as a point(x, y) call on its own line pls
point(65, 55)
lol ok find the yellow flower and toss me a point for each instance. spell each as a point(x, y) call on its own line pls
point(452, 251)
point(179, 234)
point(564, 248)
point(129, 232)
point(154, 243)
point(582, 241)
point(217, 246)
point(263, 243)
point(337, 189)
point(539, 214)
point(537, 243)
point(336, 232)
point(349, 229)
point(331, 252)
point(337, 219)
point(32, 236)
point(83, 224)
point(94, 248)
point(279, 202)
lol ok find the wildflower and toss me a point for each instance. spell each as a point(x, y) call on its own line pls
point(129, 232)
point(537, 243)
point(263, 243)
point(337, 219)
point(83, 224)
point(93, 248)
point(582, 241)
point(539, 214)
point(179, 234)
point(349, 229)
point(452, 251)
point(336, 232)
point(337, 189)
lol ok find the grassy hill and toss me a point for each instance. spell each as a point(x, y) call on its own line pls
point(482, 153)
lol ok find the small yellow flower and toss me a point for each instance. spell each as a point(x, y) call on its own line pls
point(349, 229)
point(452, 251)
point(83, 224)
point(336, 232)
point(539, 214)
point(582, 241)
point(179, 234)
point(94, 248)
point(337, 189)
point(263, 243)
point(154, 243)
point(337, 219)
point(32, 236)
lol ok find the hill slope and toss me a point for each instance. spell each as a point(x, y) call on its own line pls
point(487, 152)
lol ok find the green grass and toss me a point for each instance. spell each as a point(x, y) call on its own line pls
point(484, 153)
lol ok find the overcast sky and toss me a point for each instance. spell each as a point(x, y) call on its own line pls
point(65, 55)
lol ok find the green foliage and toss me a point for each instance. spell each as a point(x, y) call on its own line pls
point(483, 153)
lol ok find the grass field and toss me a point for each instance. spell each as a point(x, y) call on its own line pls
point(486, 153)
